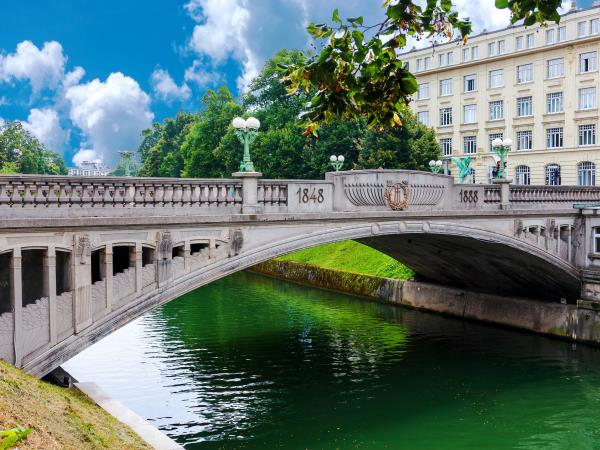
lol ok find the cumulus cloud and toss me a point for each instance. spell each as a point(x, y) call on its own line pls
point(198, 74)
point(111, 114)
point(85, 155)
point(166, 89)
point(44, 124)
point(43, 68)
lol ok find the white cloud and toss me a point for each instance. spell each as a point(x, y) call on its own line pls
point(111, 114)
point(197, 73)
point(43, 68)
point(85, 155)
point(2, 122)
point(44, 124)
point(166, 89)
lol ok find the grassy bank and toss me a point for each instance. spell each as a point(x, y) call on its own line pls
point(353, 257)
point(61, 418)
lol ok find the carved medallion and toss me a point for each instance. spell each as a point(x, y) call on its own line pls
point(236, 241)
point(397, 195)
point(83, 250)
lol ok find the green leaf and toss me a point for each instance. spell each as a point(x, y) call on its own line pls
point(356, 20)
point(501, 4)
point(336, 16)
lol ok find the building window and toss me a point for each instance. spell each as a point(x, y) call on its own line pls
point(471, 177)
point(469, 145)
point(446, 87)
point(493, 136)
point(524, 73)
point(552, 175)
point(442, 59)
point(587, 62)
point(470, 83)
point(554, 137)
point(587, 135)
point(501, 47)
point(549, 37)
point(465, 54)
point(594, 26)
point(496, 78)
point(419, 65)
point(474, 52)
point(581, 29)
point(445, 117)
point(586, 175)
point(496, 110)
point(492, 49)
point(555, 68)
point(522, 175)
point(597, 240)
point(519, 43)
point(554, 102)
point(530, 41)
point(524, 106)
point(562, 34)
point(587, 98)
point(446, 146)
point(524, 140)
point(427, 62)
point(423, 92)
point(450, 58)
point(423, 117)
point(469, 113)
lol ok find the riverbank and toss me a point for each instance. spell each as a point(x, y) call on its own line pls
point(558, 320)
point(61, 418)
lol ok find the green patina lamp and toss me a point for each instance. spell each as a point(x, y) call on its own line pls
point(501, 147)
point(464, 167)
point(246, 131)
point(337, 162)
point(435, 166)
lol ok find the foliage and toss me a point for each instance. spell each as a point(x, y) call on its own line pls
point(209, 147)
point(9, 438)
point(359, 71)
point(351, 256)
point(127, 166)
point(20, 152)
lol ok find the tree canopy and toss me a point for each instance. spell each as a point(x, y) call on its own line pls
point(359, 70)
point(20, 152)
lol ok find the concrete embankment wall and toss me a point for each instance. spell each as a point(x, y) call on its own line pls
point(565, 321)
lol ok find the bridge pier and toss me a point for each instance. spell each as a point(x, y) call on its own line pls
point(82, 283)
point(16, 283)
point(106, 271)
point(50, 290)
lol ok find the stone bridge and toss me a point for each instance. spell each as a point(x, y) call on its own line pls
point(80, 257)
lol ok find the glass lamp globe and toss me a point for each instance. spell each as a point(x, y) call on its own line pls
point(333, 158)
point(507, 142)
point(497, 142)
point(341, 158)
point(239, 123)
point(252, 123)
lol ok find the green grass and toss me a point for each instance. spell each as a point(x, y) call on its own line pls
point(351, 256)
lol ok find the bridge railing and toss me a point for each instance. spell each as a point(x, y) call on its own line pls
point(105, 195)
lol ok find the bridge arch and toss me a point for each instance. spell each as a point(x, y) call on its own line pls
point(440, 251)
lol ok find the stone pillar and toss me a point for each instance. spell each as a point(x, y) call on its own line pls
point(249, 191)
point(50, 291)
point(16, 296)
point(187, 263)
point(106, 269)
point(212, 248)
point(164, 258)
point(137, 261)
point(82, 283)
point(504, 191)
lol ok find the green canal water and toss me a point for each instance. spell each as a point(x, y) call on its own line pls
point(256, 363)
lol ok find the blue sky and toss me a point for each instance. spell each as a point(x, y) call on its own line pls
point(86, 77)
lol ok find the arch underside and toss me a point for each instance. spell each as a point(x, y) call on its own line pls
point(458, 256)
point(474, 264)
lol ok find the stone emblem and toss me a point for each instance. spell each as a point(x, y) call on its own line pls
point(397, 195)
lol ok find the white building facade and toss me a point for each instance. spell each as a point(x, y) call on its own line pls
point(535, 85)
point(90, 169)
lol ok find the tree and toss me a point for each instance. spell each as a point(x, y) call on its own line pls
point(20, 152)
point(359, 71)
point(160, 150)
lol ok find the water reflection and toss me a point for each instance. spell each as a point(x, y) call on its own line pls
point(251, 362)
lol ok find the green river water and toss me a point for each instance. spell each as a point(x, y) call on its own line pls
point(256, 363)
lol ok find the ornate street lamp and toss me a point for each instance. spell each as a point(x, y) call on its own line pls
point(501, 147)
point(435, 166)
point(246, 131)
point(337, 162)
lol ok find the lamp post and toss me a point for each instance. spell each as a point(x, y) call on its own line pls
point(435, 166)
point(246, 131)
point(337, 162)
point(501, 147)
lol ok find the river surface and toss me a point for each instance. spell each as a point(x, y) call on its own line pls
point(256, 363)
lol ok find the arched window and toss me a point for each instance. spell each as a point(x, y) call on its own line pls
point(553, 174)
point(586, 173)
point(522, 175)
